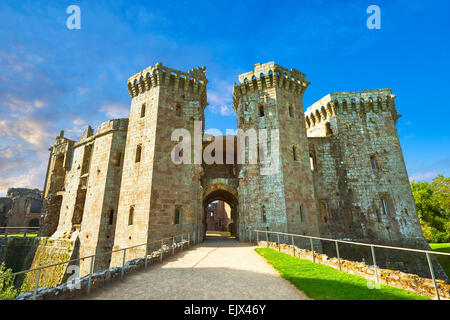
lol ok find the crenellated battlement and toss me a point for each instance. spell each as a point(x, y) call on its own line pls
point(269, 75)
point(193, 81)
point(374, 100)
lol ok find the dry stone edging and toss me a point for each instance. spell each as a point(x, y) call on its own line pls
point(394, 278)
point(66, 290)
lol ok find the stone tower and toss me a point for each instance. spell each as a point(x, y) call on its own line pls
point(158, 197)
point(271, 97)
point(361, 180)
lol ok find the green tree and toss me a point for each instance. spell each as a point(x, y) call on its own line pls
point(7, 290)
point(433, 206)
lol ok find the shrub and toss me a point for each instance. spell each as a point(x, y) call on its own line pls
point(7, 290)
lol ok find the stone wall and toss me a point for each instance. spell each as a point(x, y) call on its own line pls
point(21, 207)
point(48, 252)
point(69, 290)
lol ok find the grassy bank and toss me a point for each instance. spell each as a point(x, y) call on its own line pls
point(326, 283)
point(443, 260)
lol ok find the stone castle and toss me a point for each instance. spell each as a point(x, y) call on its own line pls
point(341, 170)
point(21, 208)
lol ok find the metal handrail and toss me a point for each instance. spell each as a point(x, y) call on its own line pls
point(20, 227)
point(22, 231)
point(92, 257)
point(352, 242)
point(372, 246)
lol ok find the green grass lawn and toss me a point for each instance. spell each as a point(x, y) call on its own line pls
point(443, 260)
point(322, 282)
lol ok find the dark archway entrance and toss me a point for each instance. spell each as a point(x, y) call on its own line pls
point(228, 195)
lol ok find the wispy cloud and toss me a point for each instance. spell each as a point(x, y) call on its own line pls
point(220, 99)
point(115, 110)
point(423, 176)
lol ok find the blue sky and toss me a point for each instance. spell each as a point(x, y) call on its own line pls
point(52, 78)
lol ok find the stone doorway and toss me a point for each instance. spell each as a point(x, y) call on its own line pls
point(213, 200)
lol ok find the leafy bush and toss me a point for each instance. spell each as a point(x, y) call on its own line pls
point(433, 207)
point(7, 290)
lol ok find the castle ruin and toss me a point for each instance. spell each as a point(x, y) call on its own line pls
point(341, 170)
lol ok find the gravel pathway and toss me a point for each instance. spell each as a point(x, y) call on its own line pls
point(219, 268)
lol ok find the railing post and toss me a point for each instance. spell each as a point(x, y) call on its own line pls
point(161, 255)
point(193, 237)
point(36, 286)
point(123, 262)
point(91, 269)
point(189, 238)
point(293, 244)
point(267, 236)
point(250, 238)
point(338, 256)
point(375, 264)
point(173, 246)
point(146, 254)
point(182, 244)
point(278, 241)
point(6, 232)
point(312, 250)
point(432, 276)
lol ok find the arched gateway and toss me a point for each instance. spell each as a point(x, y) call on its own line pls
point(227, 194)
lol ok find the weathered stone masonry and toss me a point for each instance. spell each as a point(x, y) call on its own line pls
point(341, 172)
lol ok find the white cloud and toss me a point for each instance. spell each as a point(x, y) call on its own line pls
point(221, 98)
point(20, 105)
point(423, 176)
point(115, 110)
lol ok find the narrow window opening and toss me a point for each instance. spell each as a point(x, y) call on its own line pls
point(131, 216)
point(138, 153)
point(294, 153)
point(383, 206)
point(111, 216)
point(373, 162)
point(118, 158)
point(312, 160)
point(177, 217)
point(300, 210)
point(143, 110)
point(291, 111)
point(328, 128)
point(178, 111)
point(264, 218)
point(261, 111)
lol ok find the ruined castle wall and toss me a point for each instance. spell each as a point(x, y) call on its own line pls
point(135, 193)
point(97, 231)
point(372, 182)
point(73, 186)
point(24, 208)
